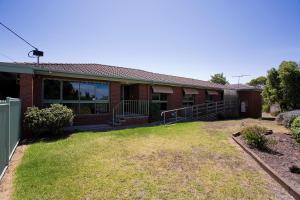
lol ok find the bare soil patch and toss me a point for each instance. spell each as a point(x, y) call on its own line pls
point(283, 154)
point(6, 184)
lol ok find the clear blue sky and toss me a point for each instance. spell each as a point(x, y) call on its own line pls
point(186, 38)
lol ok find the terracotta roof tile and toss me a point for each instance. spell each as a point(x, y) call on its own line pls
point(127, 73)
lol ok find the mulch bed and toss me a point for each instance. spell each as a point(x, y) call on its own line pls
point(283, 154)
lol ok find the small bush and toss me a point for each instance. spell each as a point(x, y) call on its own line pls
point(266, 108)
point(296, 128)
point(50, 119)
point(254, 137)
point(286, 118)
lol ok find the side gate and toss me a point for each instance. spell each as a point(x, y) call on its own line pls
point(10, 128)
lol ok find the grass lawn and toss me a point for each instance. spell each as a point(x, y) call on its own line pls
point(183, 161)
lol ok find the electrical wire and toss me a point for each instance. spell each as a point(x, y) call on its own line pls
point(5, 56)
point(17, 35)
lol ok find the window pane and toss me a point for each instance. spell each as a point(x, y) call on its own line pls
point(102, 91)
point(73, 106)
point(155, 96)
point(101, 108)
point(87, 108)
point(51, 89)
point(163, 97)
point(87, 91)
point(70, 90)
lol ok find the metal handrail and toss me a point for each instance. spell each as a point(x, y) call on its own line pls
point(200, 109)
point(130, 108)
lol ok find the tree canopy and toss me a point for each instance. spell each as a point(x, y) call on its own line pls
point(283, 86)
point(219, 78)
point(258, 82)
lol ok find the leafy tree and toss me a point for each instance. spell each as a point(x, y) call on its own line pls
point(258, 82)
point(283, 86)
point(289, 75)
point(219, 78)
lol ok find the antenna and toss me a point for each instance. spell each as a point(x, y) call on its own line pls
point(239, 77)
point(34, 52)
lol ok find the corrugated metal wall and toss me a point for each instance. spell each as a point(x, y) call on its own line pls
point(10, 127)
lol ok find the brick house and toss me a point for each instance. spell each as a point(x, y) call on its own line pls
point(96, 93)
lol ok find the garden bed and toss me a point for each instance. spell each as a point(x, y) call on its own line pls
point(283, 153)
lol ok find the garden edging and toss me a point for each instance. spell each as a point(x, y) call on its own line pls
point(290, 189)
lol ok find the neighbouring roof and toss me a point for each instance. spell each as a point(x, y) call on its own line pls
point(114, 72)
point(243, 87)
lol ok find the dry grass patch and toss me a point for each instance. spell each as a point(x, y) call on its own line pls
point(182, 161)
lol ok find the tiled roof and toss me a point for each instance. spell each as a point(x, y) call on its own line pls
point(127, 73)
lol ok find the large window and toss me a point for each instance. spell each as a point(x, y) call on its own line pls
point(161, 99)
point(81, 97)
point(188, 99)
point(51, 89)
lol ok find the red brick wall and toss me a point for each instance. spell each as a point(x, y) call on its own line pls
point(134, 121)
point(115, 94)
point(175, 99)
point(92, 119)
point(143, 91)
point(26, 96)
point(200, 98)
point(254, 102)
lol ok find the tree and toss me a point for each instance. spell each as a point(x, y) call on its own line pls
point(283, 86)
point(219, 78)
point(258, 82)
point(289, 75)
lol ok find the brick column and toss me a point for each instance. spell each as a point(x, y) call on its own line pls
point(200, 98)
point(143, 91)
point(26, 96)
point(175, 99)
point(115, 94)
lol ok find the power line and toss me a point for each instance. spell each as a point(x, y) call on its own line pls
point(34, 52)
point(5, 56)
point(17, 35)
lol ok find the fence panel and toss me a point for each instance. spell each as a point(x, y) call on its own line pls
point(4, 152)
point(10, 125)
point(14, 125)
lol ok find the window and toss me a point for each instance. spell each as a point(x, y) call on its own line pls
point(188, 99)
point(161, 99)
point(101, 91)
point(87, 91)
point(70, 90)
point(81, 97)
point(51, 89)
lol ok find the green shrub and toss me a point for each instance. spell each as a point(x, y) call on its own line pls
point(254, 137)
point(286, 118)
point(296, 128)
point(266, 108)
point(50, 119)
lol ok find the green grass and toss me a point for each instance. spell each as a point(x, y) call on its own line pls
point(182, 161)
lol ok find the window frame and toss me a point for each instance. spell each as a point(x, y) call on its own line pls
point(79, 101)
point(188, 102)
point(159, 101)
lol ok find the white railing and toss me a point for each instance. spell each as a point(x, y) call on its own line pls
point(130, 108)
point(198, 111)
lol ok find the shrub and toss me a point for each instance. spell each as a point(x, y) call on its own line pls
point(50, 119)
point(266, 108)
point(286, 118)
point(254, 137)
point(296, 128)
